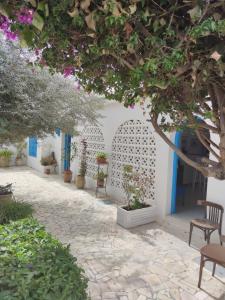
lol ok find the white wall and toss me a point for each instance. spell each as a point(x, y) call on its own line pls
point(114, 115)
point(44, 148)
point(216, 188)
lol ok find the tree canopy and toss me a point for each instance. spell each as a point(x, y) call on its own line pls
point(166, 55)
point(33, 102)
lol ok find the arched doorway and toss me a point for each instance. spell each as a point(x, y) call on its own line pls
point(188, 185)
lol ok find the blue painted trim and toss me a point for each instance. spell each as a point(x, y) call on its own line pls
point(177, 142)
point(57, 131)
point(67, 149)
point(32, 147)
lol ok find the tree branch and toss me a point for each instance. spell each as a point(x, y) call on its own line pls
point(204, 143)
point(189, 161)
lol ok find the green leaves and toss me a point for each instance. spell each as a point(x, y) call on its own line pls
point(38, 21)
point(195, 13)
point(34, 265)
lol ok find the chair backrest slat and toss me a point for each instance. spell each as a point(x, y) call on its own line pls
point(214, 212)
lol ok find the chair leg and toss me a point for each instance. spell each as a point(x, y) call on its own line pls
point(208, 236)
point(190, 233)
point(219, 231)
point(200, 271)
point(214, 269)
point(205, 235)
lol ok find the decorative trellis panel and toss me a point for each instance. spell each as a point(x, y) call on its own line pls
point(95, 144)
point(134, 144)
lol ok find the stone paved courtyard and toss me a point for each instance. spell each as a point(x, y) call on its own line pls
point(120, 264)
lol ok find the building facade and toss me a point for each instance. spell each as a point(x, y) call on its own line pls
point(127, 138)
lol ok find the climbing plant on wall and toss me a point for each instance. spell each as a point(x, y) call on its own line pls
point(166, 55)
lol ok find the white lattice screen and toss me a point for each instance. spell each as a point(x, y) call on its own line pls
point(95, 144)
point(134, 144)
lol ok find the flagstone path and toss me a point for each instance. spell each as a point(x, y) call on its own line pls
point(120, 264)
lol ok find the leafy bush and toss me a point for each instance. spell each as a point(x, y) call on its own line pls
point(35, 266)
point(6, 153)
point(12, 211)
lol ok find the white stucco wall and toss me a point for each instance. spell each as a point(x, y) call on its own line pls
point(44, 148)
point(115, 114)
point(216, 188)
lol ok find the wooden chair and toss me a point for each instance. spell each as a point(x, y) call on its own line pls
point(211, 222)
point(213, 253)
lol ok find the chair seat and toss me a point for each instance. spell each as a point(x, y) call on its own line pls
point(205, 224)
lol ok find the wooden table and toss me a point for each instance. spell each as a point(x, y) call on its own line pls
point(222, 238)
point(214, 253)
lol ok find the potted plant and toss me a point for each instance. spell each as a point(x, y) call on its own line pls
point(20, 155)
point(136, 212)
point(80, 178)
point(67, 176)
point(101, 158)
point(5, 157)
point(48, 162)
point(100, 178)
point(6, 193)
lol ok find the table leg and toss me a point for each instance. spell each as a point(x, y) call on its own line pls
point(200, 271)
point(214, 269)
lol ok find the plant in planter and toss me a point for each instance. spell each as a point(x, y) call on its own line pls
point(6, 193)
point(101, 158)
point(20, 154)
point(5, 157)
point(69, 156)
point(47, 162)
point(80, 178)
point(100, 177)
point(136, 211)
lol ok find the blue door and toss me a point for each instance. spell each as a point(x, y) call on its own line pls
point(67, 151)
point(32, 146)
point(177, 142)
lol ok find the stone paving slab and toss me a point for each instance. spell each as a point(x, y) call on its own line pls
point(120, 264)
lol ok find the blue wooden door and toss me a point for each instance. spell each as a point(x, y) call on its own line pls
point(32, 146)
point(177, 142)
point(67, 151)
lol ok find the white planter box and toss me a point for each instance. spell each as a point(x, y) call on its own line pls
point(133, 218)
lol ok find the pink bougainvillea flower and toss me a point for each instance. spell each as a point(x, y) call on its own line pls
point(5, 27)
point(68, 71)
point(132, 106)
point(25, 16)
point(11, 36)
point(4, 23)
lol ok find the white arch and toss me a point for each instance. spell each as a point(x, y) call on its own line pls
point(134, 144)
point(95, 143)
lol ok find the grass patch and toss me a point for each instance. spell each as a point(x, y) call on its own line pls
point(12, 211)
point(35, 266)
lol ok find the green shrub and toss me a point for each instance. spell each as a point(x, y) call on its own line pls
point(35, 266)
point(6, 153)
point(12, 211)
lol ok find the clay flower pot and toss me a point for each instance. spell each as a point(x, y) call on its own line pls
point(101, 160)
point(80, 181)
point(4, 162)
point(100, 182)
point(47, 171)
point(67, 176)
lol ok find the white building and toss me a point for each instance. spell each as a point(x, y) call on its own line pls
point(127, 138)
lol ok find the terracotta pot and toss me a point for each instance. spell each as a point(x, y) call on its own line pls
point(19, 162)
point(67, 176)
point(4, 162)
point(6, 198)
point(80, 181)
point(101, 161)
point(100, 182)
point(47, 171)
